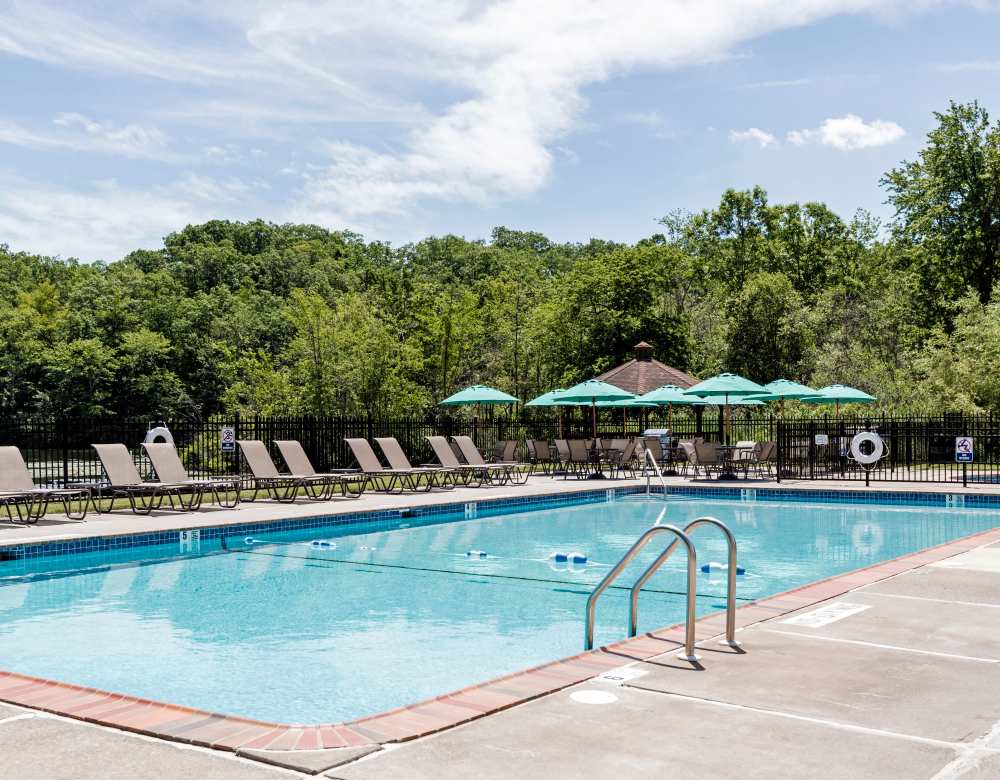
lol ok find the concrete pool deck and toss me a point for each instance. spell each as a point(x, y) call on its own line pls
point(901, 688)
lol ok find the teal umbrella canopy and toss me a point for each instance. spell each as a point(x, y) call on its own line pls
point(839, 394)
point(727, 386)
point(592, 391)
point(478, 394)
point(747, 401)
point(785, 389)
point(626, 403)
point(671, 395)
point(550, 398)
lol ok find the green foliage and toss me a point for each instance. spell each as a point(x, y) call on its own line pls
point(268, 319)
point(948, 203)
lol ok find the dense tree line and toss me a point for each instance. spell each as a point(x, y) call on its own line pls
point(263, 318)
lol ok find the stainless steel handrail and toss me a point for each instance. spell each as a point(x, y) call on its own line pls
point(730, 587)
point(642, 541)
point(650, 460)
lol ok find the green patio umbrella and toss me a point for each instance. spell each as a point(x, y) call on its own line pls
point(839, 394)
point(782, 389)
point(671, 396)
point(728, 387)
point(550, 398)
point(590, 392)
point(477, 395)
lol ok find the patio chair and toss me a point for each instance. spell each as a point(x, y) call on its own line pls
point(169, 468)
point(471, 475)
point(143, 496)
point(579, 463)
point(542, 456)
point(765, 459)
point(437, 476)
point(457, 452)
point(510, 470)
point(281, 487)
point(18, 490)
point(744, 455)
point(655, 448)
point(562, 451)
point(623, 460)
point(707, 457)
point(388, 479)
point(298, 462)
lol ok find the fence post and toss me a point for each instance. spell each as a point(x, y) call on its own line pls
point(64, 439)
point(812, 449)
point(778, 447)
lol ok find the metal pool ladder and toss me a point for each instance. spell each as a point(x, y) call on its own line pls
point(692, 580)
point(651, 461)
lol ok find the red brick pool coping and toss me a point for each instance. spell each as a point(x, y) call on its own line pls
point(226, 732)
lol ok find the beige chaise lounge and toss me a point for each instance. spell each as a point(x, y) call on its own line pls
point(169, 468)
point(18, 490)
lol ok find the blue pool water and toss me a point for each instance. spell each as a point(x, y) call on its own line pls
point(283, 629)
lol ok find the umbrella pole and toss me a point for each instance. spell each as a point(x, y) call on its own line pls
point(593, 408)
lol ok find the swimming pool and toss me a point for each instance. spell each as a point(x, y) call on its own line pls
point(335, 622)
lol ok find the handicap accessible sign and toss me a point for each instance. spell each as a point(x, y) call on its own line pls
point(963, 449)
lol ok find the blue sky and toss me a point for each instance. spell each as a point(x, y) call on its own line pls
point(122, 122)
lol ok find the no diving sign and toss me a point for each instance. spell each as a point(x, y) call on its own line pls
point(964, 449)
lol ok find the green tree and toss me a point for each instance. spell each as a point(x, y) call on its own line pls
point(769, 335)
point(948, 202)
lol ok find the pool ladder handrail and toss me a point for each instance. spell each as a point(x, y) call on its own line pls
point(651, 461)
point(633, 614)
point(611, 576)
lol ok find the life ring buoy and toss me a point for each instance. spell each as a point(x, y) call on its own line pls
point(159, 433)
point(867, 458)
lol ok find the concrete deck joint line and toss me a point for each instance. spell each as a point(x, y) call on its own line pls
point(895, 648)
point(926, 598)
point(957, 746)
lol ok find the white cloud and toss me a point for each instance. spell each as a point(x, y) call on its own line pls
point(78, 132)
point(754, 134)
point(105, 220)
point(848, 132)
point(482, 92)
point(102, 222)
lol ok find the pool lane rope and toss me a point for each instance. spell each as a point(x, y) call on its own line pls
point(251, 542)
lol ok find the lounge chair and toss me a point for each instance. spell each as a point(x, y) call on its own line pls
point(281, 487)
point(505, 451)
point(298, 462)
point(143, 496)
point(389, 480)
point(169, 468)
point(510, 469)
point(18, 490)
point(437, 476)
point(471, 476)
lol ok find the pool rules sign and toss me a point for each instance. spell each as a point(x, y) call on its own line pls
point(964, 449)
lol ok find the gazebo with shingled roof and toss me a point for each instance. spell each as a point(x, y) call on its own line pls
point(644, 373)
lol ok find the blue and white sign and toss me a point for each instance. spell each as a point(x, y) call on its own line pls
point(227, 439)
point(964, 449)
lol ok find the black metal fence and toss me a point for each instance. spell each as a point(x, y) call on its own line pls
point(58, 450)
point(913, 449)
point(916, 449)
